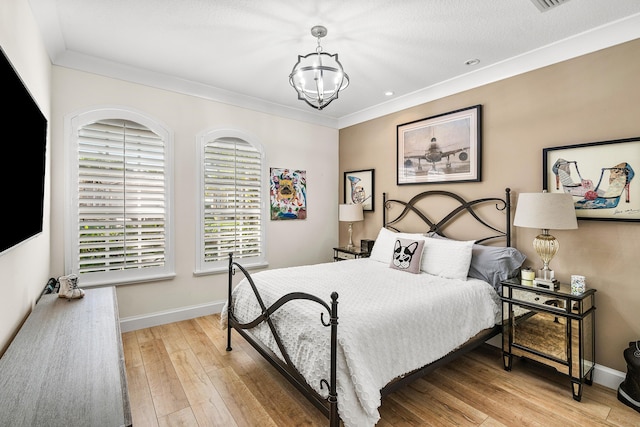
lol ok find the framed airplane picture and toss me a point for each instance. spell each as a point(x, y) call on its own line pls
point(440, 149)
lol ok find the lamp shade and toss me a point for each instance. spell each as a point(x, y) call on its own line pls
point(350, 213)
point(546, 211)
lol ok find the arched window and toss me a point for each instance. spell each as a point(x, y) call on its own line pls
point(119, 196)
point(232, 206)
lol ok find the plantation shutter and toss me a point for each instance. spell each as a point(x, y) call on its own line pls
point(122, 202)
point(232, 200)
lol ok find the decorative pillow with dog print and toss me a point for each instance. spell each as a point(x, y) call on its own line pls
point(407, 255)
point(385, 242)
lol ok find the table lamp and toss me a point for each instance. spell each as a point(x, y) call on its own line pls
point(350, 213)
point(546, 211)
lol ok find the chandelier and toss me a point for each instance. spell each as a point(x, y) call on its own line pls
point(318, 76)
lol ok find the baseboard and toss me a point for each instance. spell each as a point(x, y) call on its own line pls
point(602, 375)
point(133, 323)
point(607, 377)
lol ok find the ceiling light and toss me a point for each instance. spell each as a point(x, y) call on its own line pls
point(472, 62)
point(318, 76)
point(389, 93)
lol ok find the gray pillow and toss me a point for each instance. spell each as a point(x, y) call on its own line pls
point(494, 264)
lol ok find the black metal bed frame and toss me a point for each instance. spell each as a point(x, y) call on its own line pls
point(329, 405)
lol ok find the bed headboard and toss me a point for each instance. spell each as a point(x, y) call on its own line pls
point(396, 211)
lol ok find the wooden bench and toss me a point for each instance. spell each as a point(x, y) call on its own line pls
point(65, 366)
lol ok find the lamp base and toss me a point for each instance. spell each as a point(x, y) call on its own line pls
point(545, 274)
point(546, 284)
point(545, 278)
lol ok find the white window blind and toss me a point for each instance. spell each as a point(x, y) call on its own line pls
point(121, 222)
point(232, 217)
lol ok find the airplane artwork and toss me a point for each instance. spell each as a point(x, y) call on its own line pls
point(453, 157)
point(433, 155)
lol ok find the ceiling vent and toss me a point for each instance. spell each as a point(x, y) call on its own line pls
point(545, 5)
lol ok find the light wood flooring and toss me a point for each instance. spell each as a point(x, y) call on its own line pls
point(180, 374)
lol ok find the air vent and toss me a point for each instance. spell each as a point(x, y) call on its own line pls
point(545, 5)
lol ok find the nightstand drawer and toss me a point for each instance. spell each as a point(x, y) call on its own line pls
point(343, 255)
point(539, 299)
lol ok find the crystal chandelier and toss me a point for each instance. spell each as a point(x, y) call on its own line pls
point(318, 76)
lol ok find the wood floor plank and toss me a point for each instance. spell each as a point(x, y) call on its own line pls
point(246, 409)
point(199, 390)
point(166, 389)
point(182, 375)
point(181, 418)
point(541, 384)
point(208, 356)
point(444, 407)
point(143, 412)
point(144, 335)
point(529, 393)
point(131, 349)
point(173, 338)
point(281, 400)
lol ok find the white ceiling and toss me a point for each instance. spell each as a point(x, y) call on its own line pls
point(242, 51)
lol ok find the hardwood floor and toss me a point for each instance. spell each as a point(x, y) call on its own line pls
point(180, 374)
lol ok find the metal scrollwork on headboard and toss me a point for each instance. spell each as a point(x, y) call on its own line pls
point(437, 226)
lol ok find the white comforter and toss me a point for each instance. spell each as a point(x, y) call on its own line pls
point(390, 323)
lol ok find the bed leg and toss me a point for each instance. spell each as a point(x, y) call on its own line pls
point(230, 274)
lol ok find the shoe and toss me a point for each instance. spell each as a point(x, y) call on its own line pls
point(69, 287)
point(562, 169)
point(629, 390)
point(620, 177)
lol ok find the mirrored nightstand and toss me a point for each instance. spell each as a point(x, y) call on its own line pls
point(553, 327)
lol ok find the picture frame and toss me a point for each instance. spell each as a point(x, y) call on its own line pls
point(359, 188)
point(440, 149)
point(287, 194)
point(599, 175)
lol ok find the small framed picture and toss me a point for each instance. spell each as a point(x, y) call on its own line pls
point(599, 175)
point(359, 188)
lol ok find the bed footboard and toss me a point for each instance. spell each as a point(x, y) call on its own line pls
point(328, 405)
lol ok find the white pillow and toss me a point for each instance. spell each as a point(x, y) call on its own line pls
point(383, 247)
point(447, 258)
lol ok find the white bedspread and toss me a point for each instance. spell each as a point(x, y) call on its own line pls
point(390, 322)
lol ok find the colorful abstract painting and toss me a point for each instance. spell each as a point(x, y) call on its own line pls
point(288, 194)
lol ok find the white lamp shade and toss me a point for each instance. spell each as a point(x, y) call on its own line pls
point(350, 213)
point(546, 211)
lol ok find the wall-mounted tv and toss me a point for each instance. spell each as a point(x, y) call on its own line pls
point(22, 168)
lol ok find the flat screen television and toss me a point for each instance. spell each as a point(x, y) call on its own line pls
point(22, 168)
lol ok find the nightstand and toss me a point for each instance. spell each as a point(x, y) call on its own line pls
point(553, 327)
point(342, 253)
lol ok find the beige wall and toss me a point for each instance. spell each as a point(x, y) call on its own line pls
point(591, 98)
point(287, 143)
point(24, 269)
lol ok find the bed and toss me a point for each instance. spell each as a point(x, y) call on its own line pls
point(419, 301)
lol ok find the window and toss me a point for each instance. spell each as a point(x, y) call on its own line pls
point(119, 194)
point(232, 208)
